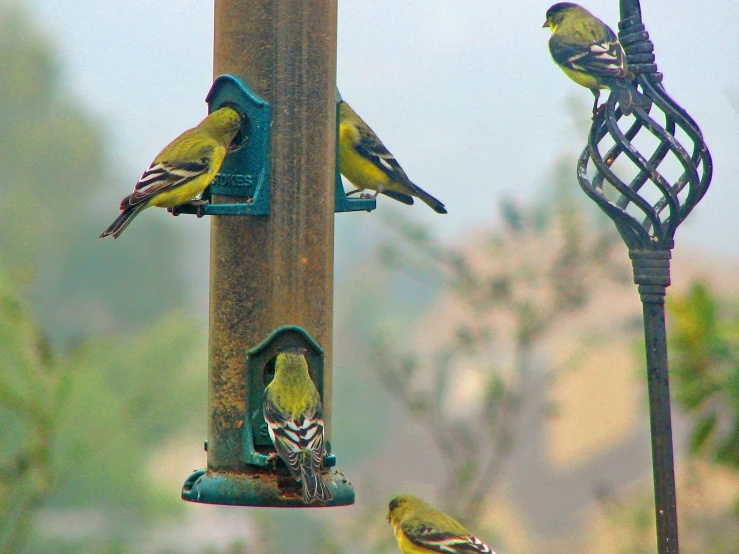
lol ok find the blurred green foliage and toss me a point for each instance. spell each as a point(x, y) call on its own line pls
point(100, 363)
point(55, 164)
point(131, 394)
point(34, 386)
point(79, 426)
point(704, 343)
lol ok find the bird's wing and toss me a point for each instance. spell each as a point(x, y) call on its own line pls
point(602, 57)
point(448, 542)
point(293, 436)
point(164, 175)
point(371, 148)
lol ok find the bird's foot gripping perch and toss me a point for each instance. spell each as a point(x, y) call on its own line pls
point(194, 206)
point(272, 458)
point(364, 195)
point(598, 109)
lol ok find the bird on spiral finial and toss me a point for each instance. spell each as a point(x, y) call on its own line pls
point(644, 224)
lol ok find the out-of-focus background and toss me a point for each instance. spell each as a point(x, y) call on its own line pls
point(490, 360)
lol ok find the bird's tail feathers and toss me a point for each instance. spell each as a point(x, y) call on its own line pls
point(122, 221)
point(399, 196)
point(313, 486)
point(629, 99)
point(432, 202)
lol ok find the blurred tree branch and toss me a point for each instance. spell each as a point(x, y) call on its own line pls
point(505, 290)
point(516, 283)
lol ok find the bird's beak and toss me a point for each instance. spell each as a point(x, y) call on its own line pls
point(546, 24)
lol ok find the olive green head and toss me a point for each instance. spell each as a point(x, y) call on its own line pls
point(291, 361)
point(401, 505)
point(558, 12)
point(224, 123)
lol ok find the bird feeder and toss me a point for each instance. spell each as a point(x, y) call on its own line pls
point(272, 240)
point(647, 211)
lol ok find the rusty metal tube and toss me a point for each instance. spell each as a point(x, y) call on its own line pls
point(277, 270)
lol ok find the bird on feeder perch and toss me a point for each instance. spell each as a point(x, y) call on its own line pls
point(367, 164)
point(292, 408)
point(183, 169)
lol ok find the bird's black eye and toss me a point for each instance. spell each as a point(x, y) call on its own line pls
point(269, 371)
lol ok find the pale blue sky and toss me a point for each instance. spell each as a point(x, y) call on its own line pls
point(463, 93)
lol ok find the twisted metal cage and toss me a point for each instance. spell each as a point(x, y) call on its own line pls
point(655, 229)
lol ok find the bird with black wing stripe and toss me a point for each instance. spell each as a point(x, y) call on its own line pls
point(183, 169)
point(293, 411)
point(422, 529)
point(365, 161)
point(589, 53)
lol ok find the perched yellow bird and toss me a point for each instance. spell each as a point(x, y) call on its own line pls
point(183, 169)
point(292, 408)
point(422, 529)
point(589, 53)
point(365, 161)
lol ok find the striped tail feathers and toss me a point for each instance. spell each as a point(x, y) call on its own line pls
point(314, 487)
point(421, 194)
point(299, 442)
point(310, 462)
point(638, 100)
point(123, 220)
point(628, 97)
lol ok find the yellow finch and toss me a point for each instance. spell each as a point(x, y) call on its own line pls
point(183, 170)
point(292, 408)
point(365, 161)
point(421, 529)
point(587, 50)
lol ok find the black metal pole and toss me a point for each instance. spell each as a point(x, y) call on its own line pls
point(652, 274)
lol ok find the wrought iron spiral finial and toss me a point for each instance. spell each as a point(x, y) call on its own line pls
point(653, 227)
point(647, 212)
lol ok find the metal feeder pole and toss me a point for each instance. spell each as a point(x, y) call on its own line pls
point(267, 272)
point(648, 227)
